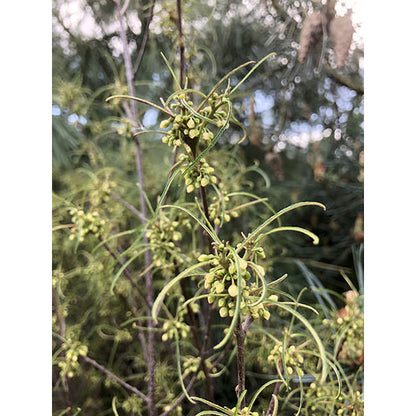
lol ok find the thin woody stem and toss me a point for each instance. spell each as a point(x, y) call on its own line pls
point(128, 206)
point(241, 378)
point(181, 44)
point(151, 352)
point(115, 378)
point(144, 40)
point(275, 393)
point(181, 397)
point(240, 334)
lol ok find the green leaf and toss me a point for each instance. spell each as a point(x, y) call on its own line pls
point(205, 227)
point(309, 327)
point(143, 101)
point(259, 273)
point(165, 191)
point(113, 406)
point(171, 71)
point(261, 227)
point(173, 282)
point(257, 393)
point(310, 234)
point(178, 365)
point(251, 71)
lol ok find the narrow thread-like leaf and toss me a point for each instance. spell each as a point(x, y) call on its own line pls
point(309, 327)
point(205, 227)
point(173, 282)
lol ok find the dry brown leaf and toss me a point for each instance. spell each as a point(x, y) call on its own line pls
point(311, 34)
point(340, 35)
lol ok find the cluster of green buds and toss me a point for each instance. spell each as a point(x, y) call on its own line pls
point(292, 358)
point(217, 212)
point(72, 95)
point(349, 321)
point(177, 323)
point(163, 233)
point(85, 223)
point(185, 126)
point(122, 335)
point(58, 277)
point(133, 404)
point(222, 283)
point(118, 88)
point(191, 366)
point(353, 406)
point(125, 128)
point(101, 191)
point(171, 326)
point(245, 411)
point(200, 175)
point(322, 399)
point(70, 365)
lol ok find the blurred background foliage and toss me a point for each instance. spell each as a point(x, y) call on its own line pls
point(305, 124)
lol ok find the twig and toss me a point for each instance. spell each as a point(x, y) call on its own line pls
point(241, 377)
point(240, 334)
point(124, 8)
point(343, 80)
point(117, 379)
point(181, 44)
point(275, 392)
point(128, 206)
point(181, 397)
point(151, 352)
point(144, 40)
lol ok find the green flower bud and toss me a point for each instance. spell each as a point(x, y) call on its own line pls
point(223, 312)
point(165, 123)
point(204, 257)
point(219, 287)
point(193, 133)
point(204, 181)
point(233, 290)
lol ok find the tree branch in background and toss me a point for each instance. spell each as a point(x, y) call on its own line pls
point(151, 352)
point(144, 40)
point(181, 44)
point(343, 80)
point(115, 378)
point(128, 206)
